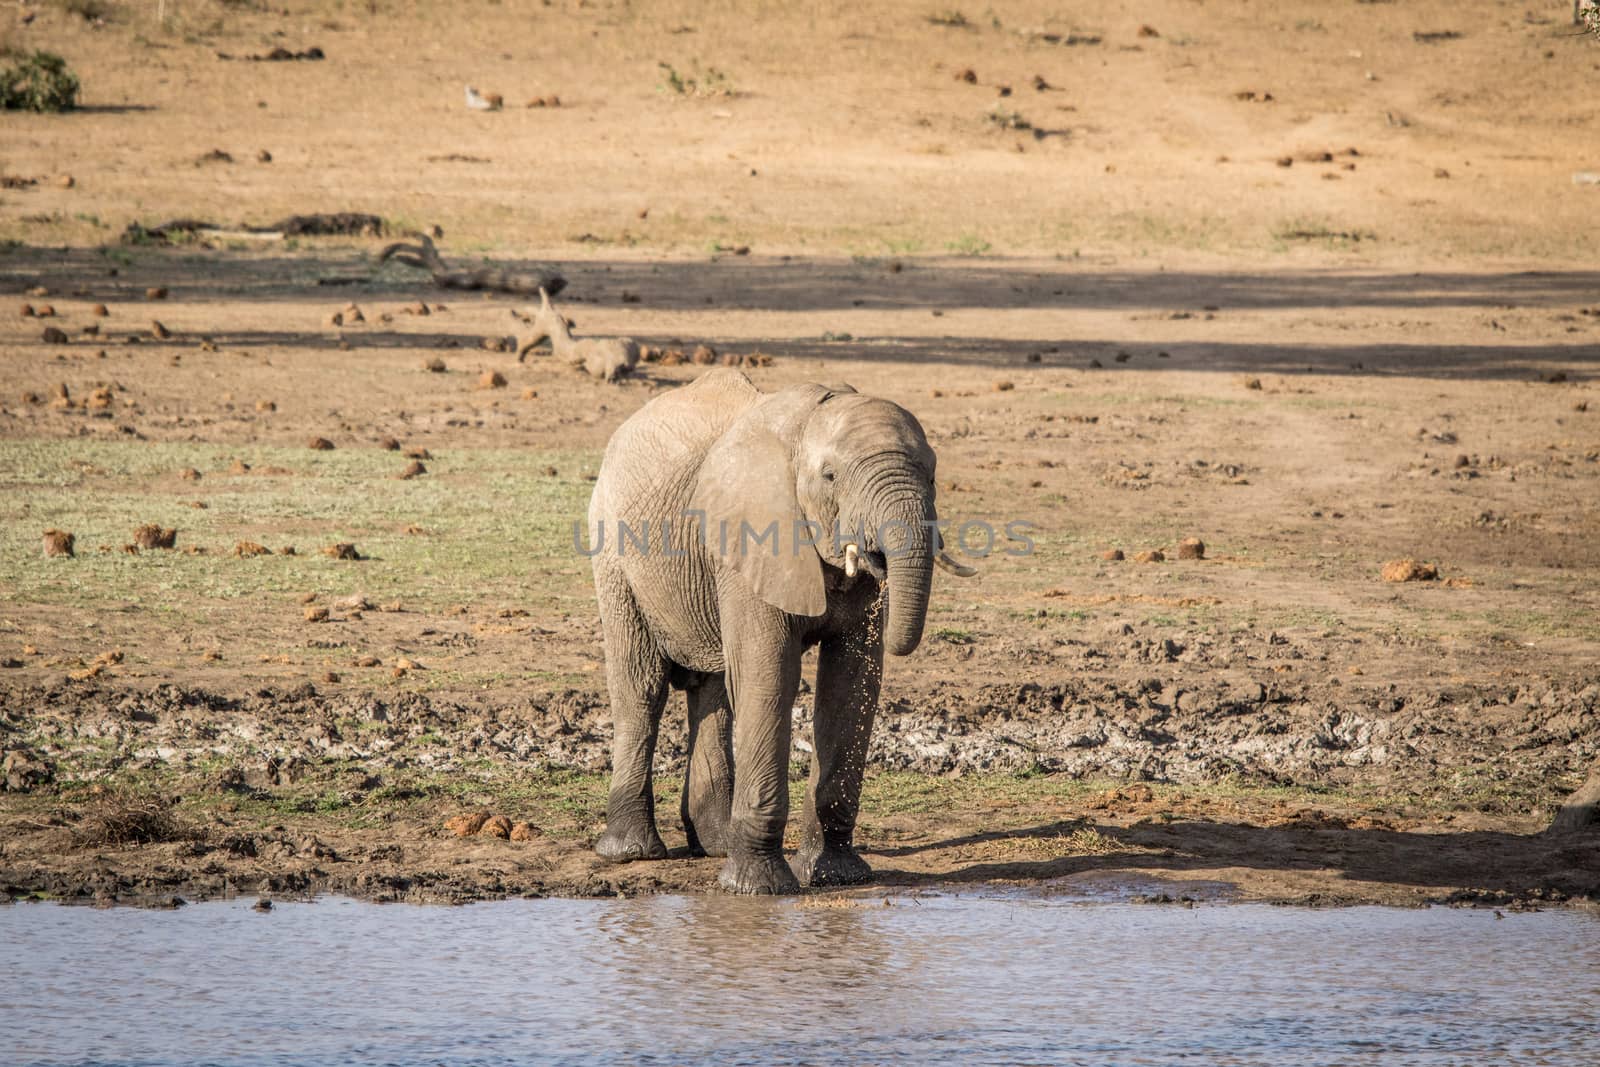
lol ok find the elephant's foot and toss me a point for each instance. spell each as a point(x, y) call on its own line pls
point(708, 835)
point(758, 873)
point(821, 865)
point(628, 842)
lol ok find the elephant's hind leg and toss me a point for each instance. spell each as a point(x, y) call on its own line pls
point(636, 674)
point(708, 783)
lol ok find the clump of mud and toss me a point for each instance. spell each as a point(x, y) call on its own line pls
point(58, 543)
point(151, 535)
point(1409, 570)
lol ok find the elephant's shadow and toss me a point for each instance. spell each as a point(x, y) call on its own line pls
point(1493, 863)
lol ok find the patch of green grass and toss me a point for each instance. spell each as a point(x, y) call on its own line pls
point(698, 82)
point(1318, 231)
point(969, 244)
point(41, 81)
point(492, 519)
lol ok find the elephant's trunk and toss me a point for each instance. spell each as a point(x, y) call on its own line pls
point(903, 521)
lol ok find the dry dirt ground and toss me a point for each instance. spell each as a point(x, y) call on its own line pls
point(1119, 316)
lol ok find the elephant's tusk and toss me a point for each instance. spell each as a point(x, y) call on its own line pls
point(947, 564)
point(851, 560)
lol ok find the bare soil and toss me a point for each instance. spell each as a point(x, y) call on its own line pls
point(1122, 322)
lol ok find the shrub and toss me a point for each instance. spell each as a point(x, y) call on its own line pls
point(40, 82)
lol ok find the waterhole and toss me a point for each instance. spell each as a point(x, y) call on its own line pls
point(715, 979)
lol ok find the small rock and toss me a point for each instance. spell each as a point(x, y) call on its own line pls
point(434, 365)
point(54, 336)
point(1191, 548)
point(389, 444)
point(491, 379)
point(156, 292)
point(1111, 555)
point(1153, 555)
point(320, 444)
point(262, 905)
point(316, 614)
point(413, 469)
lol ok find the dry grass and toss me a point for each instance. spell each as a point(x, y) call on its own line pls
point(124, 817)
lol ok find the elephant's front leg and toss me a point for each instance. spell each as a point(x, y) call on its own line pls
point(763, 674)
point(849, 670)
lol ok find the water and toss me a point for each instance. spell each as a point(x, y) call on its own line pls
point(730, 981)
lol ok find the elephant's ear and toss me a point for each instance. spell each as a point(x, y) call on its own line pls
point(746, 491)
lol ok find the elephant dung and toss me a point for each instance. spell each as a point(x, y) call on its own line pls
point(1409, 570)
point(152, 536)
point(58, 543)
point(468, 824)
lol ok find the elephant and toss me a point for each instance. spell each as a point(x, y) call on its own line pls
point(692, 598)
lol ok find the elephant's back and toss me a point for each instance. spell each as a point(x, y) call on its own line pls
point(661, 445)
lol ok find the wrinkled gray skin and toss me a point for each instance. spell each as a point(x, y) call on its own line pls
point(730, 629)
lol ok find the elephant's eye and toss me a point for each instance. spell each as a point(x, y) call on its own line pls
point(827, 474)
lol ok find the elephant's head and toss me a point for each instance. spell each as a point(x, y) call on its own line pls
point(814, 460)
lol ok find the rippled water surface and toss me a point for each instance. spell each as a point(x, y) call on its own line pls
point(723, 980)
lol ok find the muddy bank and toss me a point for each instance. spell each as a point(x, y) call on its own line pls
point(1170, 726)
point(1272, 791)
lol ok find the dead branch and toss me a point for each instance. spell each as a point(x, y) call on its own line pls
point(425, 256)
